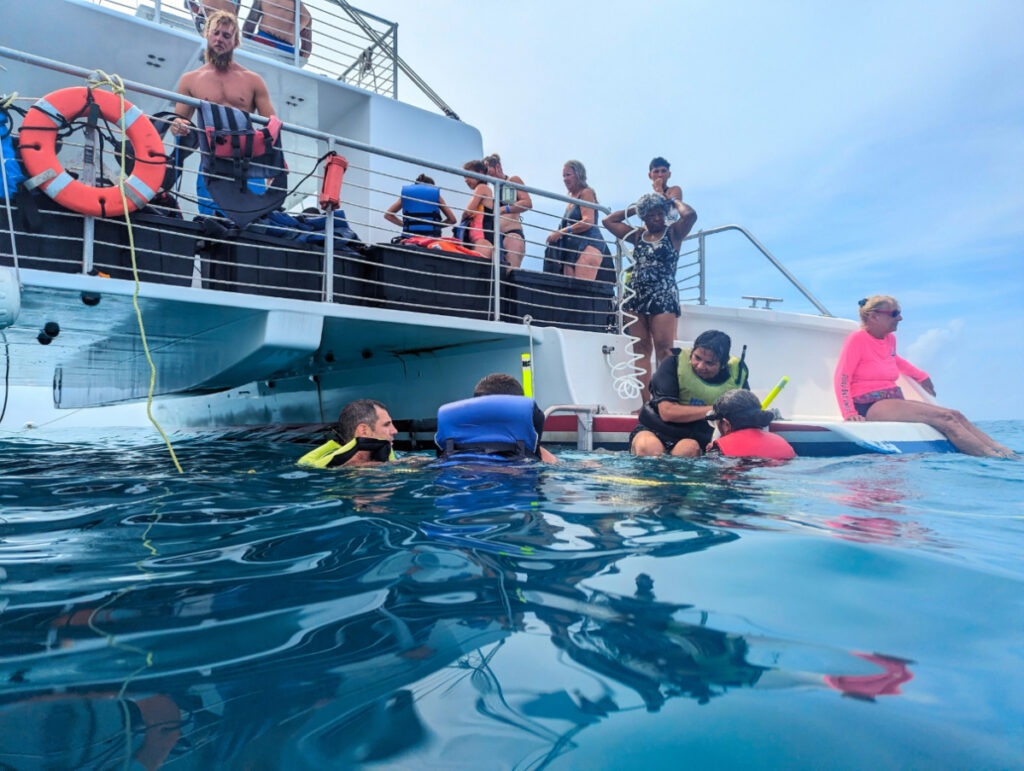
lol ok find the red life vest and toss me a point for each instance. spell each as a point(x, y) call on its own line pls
point(754, 443)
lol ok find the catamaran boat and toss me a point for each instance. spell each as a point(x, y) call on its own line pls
point(278, 324)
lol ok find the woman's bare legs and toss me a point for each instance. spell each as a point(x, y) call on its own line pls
point(513, 247)
point(643, 347)
point(587, 264)
point(484, 248)
point(964, 435)
point(663, 334)
point(646, 444)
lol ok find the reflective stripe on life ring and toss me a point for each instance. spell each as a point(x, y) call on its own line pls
point(38, 147)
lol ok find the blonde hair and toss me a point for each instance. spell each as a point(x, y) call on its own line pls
point(217, 18)
point(871, 303)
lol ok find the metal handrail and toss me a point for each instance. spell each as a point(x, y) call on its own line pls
point(539, 296)
point(701, 236)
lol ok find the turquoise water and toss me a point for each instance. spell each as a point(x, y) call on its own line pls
point(610, 612)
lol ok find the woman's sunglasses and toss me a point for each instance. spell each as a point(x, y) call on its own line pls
point(895, 314)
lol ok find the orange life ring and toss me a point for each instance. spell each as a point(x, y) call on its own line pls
point(38, 147)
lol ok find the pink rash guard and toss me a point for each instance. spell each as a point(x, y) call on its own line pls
point(868, 364)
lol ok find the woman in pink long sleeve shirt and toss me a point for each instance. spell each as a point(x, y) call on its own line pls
point(865, 383)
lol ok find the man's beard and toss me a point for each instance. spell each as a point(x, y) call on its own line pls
point(219, 61)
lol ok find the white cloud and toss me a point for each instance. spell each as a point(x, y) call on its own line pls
point(934, 343)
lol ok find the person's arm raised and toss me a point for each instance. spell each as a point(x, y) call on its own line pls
point(615, 223)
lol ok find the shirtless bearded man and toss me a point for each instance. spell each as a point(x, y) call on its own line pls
point(221, 80)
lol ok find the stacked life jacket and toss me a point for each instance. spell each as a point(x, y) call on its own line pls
point(11, 170)
point(234, 151)
point(496, 428)
point(421, 210)
point(754, 443)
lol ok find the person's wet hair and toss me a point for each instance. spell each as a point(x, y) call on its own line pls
point(650, 202)
point(742, 409)
point(354, 413)
point(423, 179)
point(659, 161)
point(498, 383)
point(217, 18)
point(717, 342)
point(478, 166)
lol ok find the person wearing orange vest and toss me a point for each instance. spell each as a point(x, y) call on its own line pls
point(742, 427)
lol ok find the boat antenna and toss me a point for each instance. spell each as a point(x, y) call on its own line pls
point(378, 40)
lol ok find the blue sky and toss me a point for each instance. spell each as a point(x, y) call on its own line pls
point(874, 147)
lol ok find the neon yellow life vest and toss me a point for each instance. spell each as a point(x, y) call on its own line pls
point(325, 454)
point(693, 390)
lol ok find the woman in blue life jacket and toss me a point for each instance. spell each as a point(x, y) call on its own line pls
point(362, 437)
point(424, 211)
point(742, 426)
point(499, 424)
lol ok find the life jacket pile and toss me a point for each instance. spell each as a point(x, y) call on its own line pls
point(235, 151)
point(11, 169)
point(439, 245)
point(307, 229)
point(496, 428)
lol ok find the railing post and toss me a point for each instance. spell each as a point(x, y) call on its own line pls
point(700, 267)
point(620, 286)
point(296, 39)
point(496, 255)
point(328, 293)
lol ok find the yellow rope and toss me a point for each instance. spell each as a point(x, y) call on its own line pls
point(116, 85)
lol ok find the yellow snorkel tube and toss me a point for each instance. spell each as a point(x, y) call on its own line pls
point(774, 392)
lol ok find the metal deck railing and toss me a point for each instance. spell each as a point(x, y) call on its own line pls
point(348, 260)
point(345, 42)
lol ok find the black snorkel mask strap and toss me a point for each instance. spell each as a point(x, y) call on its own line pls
point(742, 370)
point(379, 449)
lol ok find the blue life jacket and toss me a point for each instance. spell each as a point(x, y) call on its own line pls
point(498, 427)
point(421, 210)
point(11, 169)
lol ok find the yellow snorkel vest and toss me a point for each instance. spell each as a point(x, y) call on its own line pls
point(326, 454)
point(693, 390)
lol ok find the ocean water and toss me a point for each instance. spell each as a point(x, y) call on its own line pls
point(609, 612)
